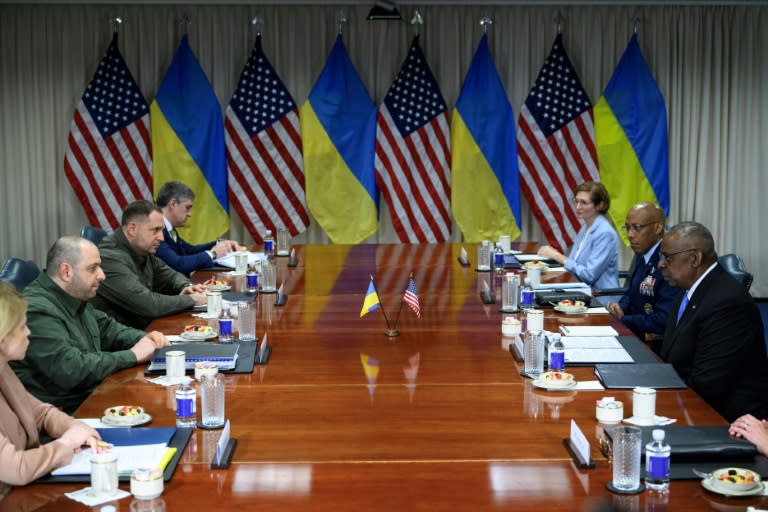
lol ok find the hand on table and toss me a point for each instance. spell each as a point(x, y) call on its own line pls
point(551, 253)
point(753, 430)
point(614, 310)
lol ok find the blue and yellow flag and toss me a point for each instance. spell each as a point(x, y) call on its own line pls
point(485, 185)
point(371, 301)
point(338, 132)
point(631, 137)
point(188, 143)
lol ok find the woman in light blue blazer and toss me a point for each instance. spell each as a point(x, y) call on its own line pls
point(594, 257)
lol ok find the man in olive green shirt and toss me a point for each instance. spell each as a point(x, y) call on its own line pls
point(139, 285)
point(72, 345)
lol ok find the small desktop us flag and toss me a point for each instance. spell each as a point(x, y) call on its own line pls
point(411, 298)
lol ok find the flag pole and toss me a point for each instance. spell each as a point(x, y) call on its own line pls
point(391, 332)
point(397, 319)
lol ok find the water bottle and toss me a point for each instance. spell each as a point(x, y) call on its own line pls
point(526, 296)
point(269, 244)
point(657, 462)
point(186, 409)
point(556, 354)
point(251, 280)
point(226, 327)
point(498, 259)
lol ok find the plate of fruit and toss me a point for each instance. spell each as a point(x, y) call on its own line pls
point(198, 332)
point(555, 380)
point(125, 416)
point(217, 285)
point(571, 307)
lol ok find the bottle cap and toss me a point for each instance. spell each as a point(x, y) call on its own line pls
point(186, 381)
point(658, 435)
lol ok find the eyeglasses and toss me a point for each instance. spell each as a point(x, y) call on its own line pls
point(635, 227)
point(667, 257)
point(581, 202)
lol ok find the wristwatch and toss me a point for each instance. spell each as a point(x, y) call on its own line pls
point(213, 254)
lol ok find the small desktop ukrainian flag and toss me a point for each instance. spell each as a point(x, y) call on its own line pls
point(371, 301)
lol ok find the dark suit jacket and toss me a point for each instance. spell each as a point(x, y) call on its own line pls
point(182, 256)
point(718, 347)
point(648, 299)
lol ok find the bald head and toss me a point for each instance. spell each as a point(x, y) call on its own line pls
point(67, 249)
point(74, 264)
point(644, 226)
point(650, 212)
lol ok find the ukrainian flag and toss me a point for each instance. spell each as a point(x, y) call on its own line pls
point(188, 143)
point(371, 301)
point(485, 186)
point(631, 137)
point(338, 133)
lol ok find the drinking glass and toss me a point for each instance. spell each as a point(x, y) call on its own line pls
point(510, 292)
point(212, 398)
point(268, 277)
point(247, 321)
point(534, 353)
point(626, 457)
point(283, 244)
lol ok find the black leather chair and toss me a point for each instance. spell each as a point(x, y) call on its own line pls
point(735, 266)
point(93, 234)
point(19, 273)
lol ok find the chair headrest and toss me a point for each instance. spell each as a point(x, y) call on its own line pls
point(19, 272)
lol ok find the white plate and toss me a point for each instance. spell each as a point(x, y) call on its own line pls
point(707, 483)
point(554, 386)
point(198, 335)
point(125, 421)
point(572, 311)
point(544, 267)
point(218, 287)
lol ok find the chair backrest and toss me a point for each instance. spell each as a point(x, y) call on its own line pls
point(93, 234)
point(19, 272)
point(735, 266)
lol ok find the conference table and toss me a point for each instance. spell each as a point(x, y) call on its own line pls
point(343, 417)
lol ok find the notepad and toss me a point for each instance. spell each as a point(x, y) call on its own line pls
point(594, 349)
point(223, 354)
point(588, 330)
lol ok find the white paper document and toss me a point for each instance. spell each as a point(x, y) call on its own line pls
point(588, 330)
point(229, 260)
point(594, 349)
point(128, 459)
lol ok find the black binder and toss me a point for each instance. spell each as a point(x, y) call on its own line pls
point(627, 376)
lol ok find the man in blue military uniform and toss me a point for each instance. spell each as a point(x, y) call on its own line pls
point(645, 306)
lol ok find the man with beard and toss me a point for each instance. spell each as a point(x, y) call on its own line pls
point(139, 285)
point(73, 346)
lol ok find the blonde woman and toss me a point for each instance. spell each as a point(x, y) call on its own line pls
point(22, 416)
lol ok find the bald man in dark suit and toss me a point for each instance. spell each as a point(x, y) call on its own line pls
point(714, 335)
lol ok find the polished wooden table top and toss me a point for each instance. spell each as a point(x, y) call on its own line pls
point(345, 418)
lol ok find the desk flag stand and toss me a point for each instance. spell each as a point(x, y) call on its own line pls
point(372, 302)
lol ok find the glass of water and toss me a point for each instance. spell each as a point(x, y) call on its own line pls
point(626, 457)
point(212, 397)
point(534, 353)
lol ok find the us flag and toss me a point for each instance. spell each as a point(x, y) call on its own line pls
point(266, 170)
point(108, 159)
point(556, 146)
point(411, 298)
point(412, 153)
